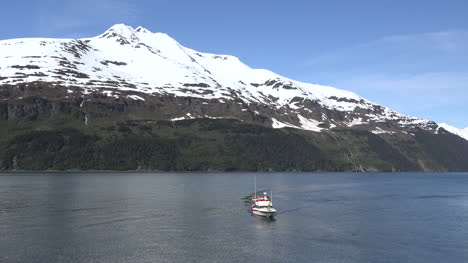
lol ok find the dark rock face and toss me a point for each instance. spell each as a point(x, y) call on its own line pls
point(40, 100)
point(242, 137)
point(26, 67)
point(117, 63)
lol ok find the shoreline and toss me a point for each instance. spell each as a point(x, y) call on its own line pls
point(2, 172)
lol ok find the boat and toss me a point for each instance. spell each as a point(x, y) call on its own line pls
point(263, 205)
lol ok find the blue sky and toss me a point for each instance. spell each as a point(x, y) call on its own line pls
point(411, 56)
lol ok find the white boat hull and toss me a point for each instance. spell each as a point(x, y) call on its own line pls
point(264, 212)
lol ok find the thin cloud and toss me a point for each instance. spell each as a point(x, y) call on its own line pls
point(422, 81)
point(411, 53)
point(446, 41)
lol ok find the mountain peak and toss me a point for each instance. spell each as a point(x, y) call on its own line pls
point(121, 32)
point(120, 28)
point(141, 29)
point(125, 30)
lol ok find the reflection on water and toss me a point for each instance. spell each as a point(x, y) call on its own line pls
point(263, 223)
point(199, 217)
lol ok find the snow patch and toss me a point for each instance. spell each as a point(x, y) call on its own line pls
point(354, 122)
point(379, 130)
point(310, 124)
point(306, 124)
point(179, 119)
point(110, 93)
point(278, 125)
point(135, 97)
point(214, 118)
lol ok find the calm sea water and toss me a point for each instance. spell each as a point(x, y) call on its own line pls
point(200, 217)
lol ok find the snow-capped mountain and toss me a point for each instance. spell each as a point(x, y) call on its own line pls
point(136, 64)
point(131, 99)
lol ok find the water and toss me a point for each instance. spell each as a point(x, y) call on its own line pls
point(199, 217)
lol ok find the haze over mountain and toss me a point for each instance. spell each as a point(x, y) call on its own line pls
point(128, 74)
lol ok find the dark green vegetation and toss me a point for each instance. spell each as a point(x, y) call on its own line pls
point(198, 145)
point(230, 145)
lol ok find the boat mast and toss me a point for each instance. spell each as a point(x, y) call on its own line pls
point(255, 186)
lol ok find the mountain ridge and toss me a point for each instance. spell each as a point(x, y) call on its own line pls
point(125, 59)
point(131, 85)
point(457, 131)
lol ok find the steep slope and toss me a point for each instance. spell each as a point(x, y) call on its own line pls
point(98, 88)
point(460, 132)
